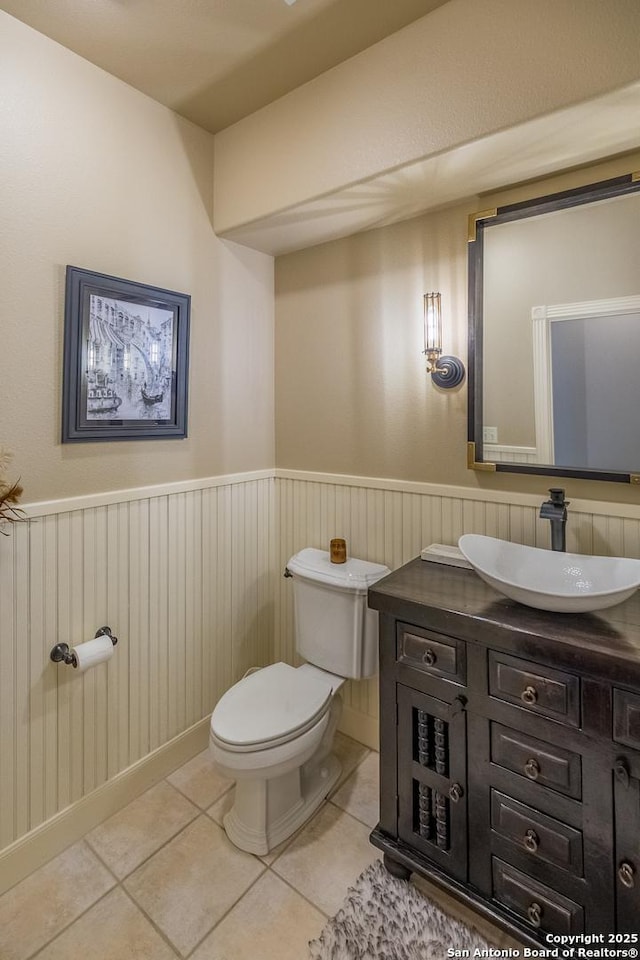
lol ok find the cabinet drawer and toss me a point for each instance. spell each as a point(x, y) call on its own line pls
point(626, 718)
point(542, 837)
point(543, 763)
point(432, 652)
point(540, 907)
point(549, 693)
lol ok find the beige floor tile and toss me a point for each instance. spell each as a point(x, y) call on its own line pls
point(199, 780)
point(191, 883)
point(327, 857)
point(222, 806)
point(142, 827)
point(349, 752)
point(271, 922)
point(43, 904)
point(115, 929)
point(360, 794)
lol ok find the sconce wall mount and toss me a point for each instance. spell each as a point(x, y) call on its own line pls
point(446, 371)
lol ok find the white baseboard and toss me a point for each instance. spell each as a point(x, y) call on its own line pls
point(52, 837)
point(360, 727)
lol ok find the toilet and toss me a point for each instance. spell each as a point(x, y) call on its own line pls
point(272, 732)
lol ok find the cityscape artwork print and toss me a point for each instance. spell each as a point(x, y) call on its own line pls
point(125, 359)
point(129, 360)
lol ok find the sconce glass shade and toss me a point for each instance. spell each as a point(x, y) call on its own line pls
point(445, 371)
point(432, 325)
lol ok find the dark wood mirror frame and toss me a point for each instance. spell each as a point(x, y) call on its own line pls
point(478, 223)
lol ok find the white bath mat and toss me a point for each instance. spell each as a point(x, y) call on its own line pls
point(383, 918)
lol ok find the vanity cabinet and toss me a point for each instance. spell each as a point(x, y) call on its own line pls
point(510, 752)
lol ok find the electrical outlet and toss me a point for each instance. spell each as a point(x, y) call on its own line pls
point(490, 434)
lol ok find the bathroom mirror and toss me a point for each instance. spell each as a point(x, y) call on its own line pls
point(554, 334)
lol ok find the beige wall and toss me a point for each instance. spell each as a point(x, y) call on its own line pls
point(97, 175)
point(464, 71)
point(352, 396)
point(93, 173)
point(351, 393)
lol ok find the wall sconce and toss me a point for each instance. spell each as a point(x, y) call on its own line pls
point(445, 371)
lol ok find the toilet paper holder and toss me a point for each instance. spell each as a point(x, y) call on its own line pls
point(62, 651)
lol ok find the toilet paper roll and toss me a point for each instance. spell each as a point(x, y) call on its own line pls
point(92, 652)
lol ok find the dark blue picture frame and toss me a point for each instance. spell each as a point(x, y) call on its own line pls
point(126, 360)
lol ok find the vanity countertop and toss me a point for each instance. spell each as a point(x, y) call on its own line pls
point(457, 602)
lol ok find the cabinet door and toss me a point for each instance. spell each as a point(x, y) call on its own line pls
point(627, 862)
point(432, 791)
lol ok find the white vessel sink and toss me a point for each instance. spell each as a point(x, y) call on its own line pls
point(551, 580)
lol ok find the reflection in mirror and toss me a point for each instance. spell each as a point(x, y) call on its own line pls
point(555, 333)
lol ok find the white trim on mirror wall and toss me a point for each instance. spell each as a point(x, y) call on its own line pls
point(509, 453)
point(542, 317)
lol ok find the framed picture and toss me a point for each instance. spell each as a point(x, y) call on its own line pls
point(126, 348)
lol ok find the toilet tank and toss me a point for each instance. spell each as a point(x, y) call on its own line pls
point(334, 628)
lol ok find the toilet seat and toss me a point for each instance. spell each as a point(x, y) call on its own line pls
point(270, 707)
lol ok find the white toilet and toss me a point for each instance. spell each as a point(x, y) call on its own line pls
point(272, 732)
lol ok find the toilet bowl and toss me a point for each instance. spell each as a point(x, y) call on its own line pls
point(272, 733)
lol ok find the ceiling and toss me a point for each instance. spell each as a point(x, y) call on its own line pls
point(576, 136)
point(216, 61)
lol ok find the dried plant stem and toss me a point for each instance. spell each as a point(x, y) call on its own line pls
point(9, 498)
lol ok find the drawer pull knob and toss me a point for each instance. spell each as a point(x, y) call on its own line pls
point(458, 704)
point(532, 768)
point(531, 841)
point(529, 695)
point(534, 912)
point(429, 657)
point(622, 771)
point(627, 874)
point(455, 792)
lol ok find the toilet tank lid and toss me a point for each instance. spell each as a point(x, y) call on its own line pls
point(355, 575)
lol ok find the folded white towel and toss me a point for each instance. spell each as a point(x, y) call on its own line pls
point(442, 553)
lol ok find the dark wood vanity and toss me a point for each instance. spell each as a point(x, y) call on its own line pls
point(510, 752)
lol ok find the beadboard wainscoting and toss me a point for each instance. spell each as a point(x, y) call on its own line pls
point(190, 578)
point(390, 521)
point(183, 575)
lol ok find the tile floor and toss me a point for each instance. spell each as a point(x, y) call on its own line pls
point(159, 880)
